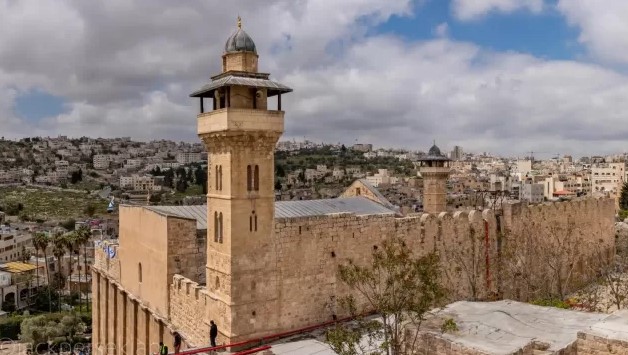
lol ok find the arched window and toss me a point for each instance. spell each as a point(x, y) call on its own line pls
point(139, 272)
point(256, 178)
point(216, 226)
point(220, 229)
point(249, 178)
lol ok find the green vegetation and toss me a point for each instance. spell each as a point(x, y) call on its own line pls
point(449, 326)
point(557, 303)
point(10, 327)
point(286, 162)
point(36, 203)
point(399, 287)
point(55, 327)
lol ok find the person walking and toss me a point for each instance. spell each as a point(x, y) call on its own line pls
point(177, 342)
point(213, 333)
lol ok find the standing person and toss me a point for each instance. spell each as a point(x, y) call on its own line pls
point(163, 350)
point(213, 333)
point(177, 342)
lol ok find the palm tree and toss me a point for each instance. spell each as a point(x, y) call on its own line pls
point(59, 242)
point(40, 242)
point(72, 245)
point(83, 235)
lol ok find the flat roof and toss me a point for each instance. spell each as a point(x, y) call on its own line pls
point(16, 267)
point(504, 327)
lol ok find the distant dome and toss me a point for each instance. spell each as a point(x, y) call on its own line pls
point(434, 151)
point(240, 41)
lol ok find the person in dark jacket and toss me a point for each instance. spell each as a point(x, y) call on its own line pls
point(213, 333)
point(177, 342)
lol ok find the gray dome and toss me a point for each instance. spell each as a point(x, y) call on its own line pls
point(434, 151)
point(240, 41)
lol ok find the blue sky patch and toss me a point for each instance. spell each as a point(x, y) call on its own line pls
point(36, 104)
point(545, 35)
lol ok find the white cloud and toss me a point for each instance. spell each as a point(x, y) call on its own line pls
point(442, 30)
point(473, 9)
point(603, 26)
point(126, 68)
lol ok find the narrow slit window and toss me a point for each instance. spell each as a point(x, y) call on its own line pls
point(256, 178)
point(216, 226)
point(255, 222)
point(249, 178)
point(220, 179)
point(250, 223)
point(216, 185)
point(220, 230)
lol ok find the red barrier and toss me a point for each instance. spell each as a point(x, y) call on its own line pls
point(266, 338)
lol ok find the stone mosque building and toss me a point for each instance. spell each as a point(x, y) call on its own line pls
point(257, 266)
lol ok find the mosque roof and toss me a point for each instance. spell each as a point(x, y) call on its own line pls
point(359, 206)
point(240, 41)
point(434, 154)
point(273, 87)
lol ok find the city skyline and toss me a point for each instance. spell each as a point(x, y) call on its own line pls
point(498, 76)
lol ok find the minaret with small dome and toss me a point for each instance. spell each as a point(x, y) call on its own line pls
point(240, 130)
point(435, 171)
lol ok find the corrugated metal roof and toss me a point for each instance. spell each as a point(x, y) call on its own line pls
point(17, 267)
point(242, 81)
point(359, 206)
point(376, 192)
point(196, 212)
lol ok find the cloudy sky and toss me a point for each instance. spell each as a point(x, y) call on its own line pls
point(504, 76)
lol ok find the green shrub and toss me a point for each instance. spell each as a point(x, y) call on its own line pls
point(449, 326)
point(557, 303)
point(623, 214)
point(10, 327)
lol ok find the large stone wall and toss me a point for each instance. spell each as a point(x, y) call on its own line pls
point(476, 249)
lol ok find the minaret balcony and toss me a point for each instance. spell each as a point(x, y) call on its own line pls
point(240, 119)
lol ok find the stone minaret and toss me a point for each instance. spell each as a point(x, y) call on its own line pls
point(435, 171)
point(240, 133)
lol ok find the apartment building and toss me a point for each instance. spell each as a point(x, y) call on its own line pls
point(607, 178)
point(188, 157)
point(139, 183)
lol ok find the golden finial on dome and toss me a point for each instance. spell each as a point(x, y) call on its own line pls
point(239, 22)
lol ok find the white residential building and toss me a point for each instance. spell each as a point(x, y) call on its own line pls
point(532, 193)
point(382, 177)
point(607, 178)
point(102, 161)
point(188, 157)
point(139, 183)
point(134, 163)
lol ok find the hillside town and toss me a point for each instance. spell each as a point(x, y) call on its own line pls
point(144, 172)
